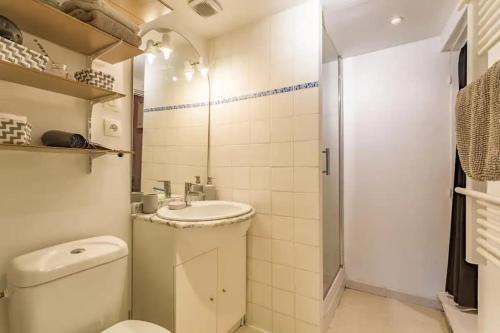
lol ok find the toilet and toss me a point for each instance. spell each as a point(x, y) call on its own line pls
point(76, 287)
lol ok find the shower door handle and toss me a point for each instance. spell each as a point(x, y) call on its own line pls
point(327, 161)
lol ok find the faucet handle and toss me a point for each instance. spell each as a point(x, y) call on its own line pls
point(187, 187)
point(198, 179)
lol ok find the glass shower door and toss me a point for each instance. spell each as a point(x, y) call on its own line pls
point(331, 172)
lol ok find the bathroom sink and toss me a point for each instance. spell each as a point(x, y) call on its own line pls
point(200, 211)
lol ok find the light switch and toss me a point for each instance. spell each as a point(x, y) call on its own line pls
point(112, 127)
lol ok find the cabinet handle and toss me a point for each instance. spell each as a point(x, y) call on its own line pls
point(223, 290)
point(211, 299)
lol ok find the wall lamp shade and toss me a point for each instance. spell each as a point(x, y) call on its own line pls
point(164, 46)
point(188, 70)
point(150, 51)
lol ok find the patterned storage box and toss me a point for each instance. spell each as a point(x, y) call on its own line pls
point(15, 132)
point(95, 78)
point(21, 55)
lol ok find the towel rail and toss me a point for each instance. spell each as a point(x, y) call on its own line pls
point(487, 224)
point(490, 249)
point(479, 195)
point(485, 227)
point(488, 25)
point(485, 7)
point(486, 255)
point(492, 218)
point(489, 236)
point(488, 17)
point(488, 29)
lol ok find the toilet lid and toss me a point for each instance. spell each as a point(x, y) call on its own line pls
point(135, 326)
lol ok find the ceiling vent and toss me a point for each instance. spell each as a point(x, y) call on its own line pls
point(205, 8)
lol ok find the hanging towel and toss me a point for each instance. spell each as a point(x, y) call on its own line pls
point(107, 24)
point(478, 126)
point(68, 140)
point(102, 6)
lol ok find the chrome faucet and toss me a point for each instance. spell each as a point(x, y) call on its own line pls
point(167, 188)
point(187, 192)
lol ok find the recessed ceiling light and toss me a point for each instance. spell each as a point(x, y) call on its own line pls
point(396, 20)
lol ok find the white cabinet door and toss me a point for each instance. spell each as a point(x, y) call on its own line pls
point(232, 284)
point(195, 295)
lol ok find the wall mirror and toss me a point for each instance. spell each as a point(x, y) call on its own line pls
point(171, 113)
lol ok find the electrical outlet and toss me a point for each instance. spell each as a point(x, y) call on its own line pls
point(112, 127)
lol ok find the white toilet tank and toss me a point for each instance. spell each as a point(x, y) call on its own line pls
point(76, 287)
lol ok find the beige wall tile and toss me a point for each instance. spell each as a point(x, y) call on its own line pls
point(306, 153)
point(307, 283)
point(284, 302)
point(307, 257)
point(282, 228)
point(282, 203)
point(282, 154)
point(306, 231)
point(306, 179)
point(260, 178)
point(283, 277)
point(283, 253)
point(282, 179)
point(283, 324)
point(306, 205)
point(259, 248)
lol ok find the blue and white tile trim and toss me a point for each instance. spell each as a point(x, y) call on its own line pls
point(265, 93)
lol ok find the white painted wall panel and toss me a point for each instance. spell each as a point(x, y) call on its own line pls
point(398, 169)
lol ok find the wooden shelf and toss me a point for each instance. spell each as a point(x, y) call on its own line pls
point(45, 21)
point(34, 78)
point(58, 150)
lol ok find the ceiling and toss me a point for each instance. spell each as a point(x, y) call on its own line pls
point(236, 13)
point(362, 26)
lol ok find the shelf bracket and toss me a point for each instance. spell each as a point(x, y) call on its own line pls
point(92, 157)
point(103, 51)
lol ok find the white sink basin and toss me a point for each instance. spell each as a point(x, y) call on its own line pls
point(205, 211)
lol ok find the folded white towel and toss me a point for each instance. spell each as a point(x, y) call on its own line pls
point(9, 116)
point(102, 6)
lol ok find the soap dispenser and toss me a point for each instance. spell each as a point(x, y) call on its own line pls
point(197, 186)
point(210, 193)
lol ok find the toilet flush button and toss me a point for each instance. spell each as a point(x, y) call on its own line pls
point(77, 251)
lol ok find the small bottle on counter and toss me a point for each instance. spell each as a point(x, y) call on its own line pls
point(209, 189)
point(197, 186)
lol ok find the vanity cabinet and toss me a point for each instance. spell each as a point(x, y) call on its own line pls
point(210, 290)
point(189, 280)
point(195, 294)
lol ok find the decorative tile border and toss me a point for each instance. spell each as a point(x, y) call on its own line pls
point(265, 93)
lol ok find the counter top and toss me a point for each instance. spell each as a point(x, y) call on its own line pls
point(154, 218)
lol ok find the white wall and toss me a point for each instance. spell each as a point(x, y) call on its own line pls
point(398, 168)
point(46, 199)
point(264, 151)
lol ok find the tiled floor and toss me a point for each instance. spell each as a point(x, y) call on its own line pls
point(364, 313)
point(247, 330)
point(360, 313)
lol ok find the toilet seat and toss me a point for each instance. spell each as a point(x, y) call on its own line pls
point(135, 326)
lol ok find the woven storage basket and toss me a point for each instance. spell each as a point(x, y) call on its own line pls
point(15, 132)
point(95, 78)
point(21, 55)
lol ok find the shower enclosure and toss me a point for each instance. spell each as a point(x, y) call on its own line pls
point(331, 145)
